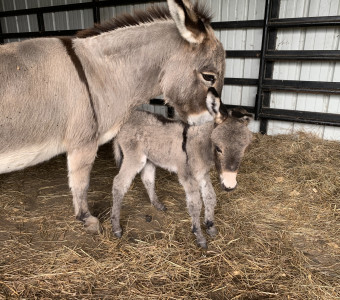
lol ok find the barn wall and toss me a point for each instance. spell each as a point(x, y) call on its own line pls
point(327, 38)
point(240, 39)
point(234, 39)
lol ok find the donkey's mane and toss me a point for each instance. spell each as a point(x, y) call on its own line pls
point(152, 14)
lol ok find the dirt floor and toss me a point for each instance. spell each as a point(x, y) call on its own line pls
point(279, 232)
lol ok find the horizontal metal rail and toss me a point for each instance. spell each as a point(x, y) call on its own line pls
point(305, 22)
point(240, 81)
point(301, 86)
point(300, 116)
point(35, 34)
point(237, 24)
point(302, 55)
point(243, 53)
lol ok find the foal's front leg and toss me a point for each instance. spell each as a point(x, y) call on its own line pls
point(209, 200)
point(194, 205)
point(80, 163)
point(121, 184)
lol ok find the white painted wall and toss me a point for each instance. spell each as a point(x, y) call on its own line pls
point(234, 39)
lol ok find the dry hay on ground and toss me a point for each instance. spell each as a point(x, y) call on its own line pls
point(278, 232)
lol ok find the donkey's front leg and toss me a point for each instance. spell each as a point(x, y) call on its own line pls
point(80, 163)
point(148, 179)
point(194, 205)
point(209, 200)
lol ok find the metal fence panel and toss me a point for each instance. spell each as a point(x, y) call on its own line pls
point(326, 38)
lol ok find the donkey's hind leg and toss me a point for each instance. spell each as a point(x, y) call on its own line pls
point(121, 183)
point(148, 178)
point(80, 163)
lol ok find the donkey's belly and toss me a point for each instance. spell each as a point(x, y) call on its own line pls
point(28, 156)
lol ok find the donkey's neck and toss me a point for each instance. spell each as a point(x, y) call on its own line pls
point(123, 67)
point(129, 57)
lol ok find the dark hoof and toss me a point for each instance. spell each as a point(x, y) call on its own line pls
point(160, 206)
point(212, 231)
point(118, 234)
point(202, 244)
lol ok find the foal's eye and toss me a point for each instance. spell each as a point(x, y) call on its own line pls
point(218, 149)
point(209, 77)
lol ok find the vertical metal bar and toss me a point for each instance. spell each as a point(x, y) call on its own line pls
point(41, 23)
point(1, 38)
point(96, 12)
point(271, 11)
point(258, 103)
point(269, 65)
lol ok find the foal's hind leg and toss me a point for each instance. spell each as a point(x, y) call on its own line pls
point(80, 163)
point(121, 183)
point(148, 178)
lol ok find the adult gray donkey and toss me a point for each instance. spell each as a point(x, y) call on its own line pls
point(73, 94)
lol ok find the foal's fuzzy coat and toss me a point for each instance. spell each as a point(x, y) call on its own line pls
point(148, 140)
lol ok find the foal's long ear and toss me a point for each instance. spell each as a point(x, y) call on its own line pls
point(241, 114)
point(213, 104)
point(189, 25)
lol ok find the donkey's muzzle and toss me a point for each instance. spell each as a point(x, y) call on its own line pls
point(227, 189)
point(228, 181)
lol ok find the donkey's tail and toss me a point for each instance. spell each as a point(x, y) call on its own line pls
point(118, 153)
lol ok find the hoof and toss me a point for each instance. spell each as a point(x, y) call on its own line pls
point(202, 244)
point(92, 225)
point(118, 233)
point(160, 206)
point(212, 231)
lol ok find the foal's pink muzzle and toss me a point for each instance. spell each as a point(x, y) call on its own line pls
point(228, 180)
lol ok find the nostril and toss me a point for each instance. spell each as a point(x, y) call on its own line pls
point(227, 189)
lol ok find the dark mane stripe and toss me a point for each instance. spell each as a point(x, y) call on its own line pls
point(152, 14)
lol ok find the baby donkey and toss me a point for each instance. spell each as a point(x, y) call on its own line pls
point(147, 140)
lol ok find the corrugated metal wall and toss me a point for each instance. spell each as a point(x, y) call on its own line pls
point(234, 39)
point(240, 39)
point(307, 39)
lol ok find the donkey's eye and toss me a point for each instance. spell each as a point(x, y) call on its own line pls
point(218, 149)
point(209, 77)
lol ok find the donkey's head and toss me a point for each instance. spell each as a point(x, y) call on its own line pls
point(230, 138)
point(197, 64)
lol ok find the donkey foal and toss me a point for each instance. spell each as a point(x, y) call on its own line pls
point(146, 141)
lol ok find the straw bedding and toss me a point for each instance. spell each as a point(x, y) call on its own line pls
point(279, 233)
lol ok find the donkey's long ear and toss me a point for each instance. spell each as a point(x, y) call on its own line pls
point(213, 104)
point(189, 25)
